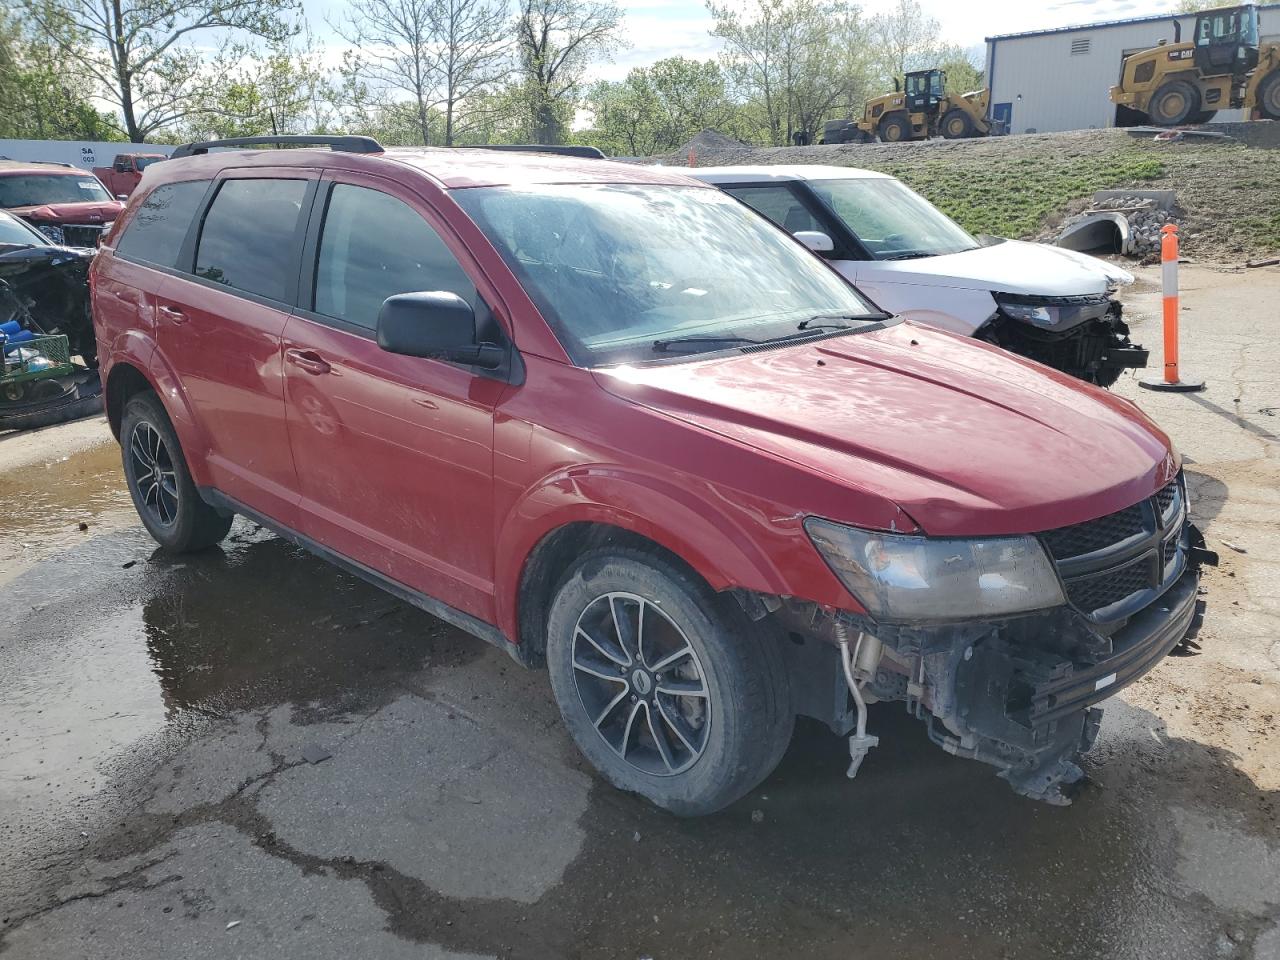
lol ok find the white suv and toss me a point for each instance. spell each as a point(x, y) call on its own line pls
point(1049, 304)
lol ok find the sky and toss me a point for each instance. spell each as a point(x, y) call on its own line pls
point(655, 29)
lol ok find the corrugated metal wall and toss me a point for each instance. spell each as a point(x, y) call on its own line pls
point(1060, 80)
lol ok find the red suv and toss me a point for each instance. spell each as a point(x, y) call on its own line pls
point(608, 419)
point(67, 205)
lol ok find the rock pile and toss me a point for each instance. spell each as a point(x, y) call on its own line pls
point(1142, 216)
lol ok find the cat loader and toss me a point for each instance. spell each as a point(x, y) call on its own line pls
point(1222, 67)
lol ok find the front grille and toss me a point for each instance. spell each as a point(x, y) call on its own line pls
point(81, 235)
point(1123, 556)
point(1066, 543)
point(1101, 590)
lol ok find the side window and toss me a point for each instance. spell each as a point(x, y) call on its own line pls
point(373, 246)
point(247, 239)
point(156, 232)
point(780, 205)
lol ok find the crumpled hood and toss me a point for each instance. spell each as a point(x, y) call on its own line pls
point(92, 212)
point(1011, 266)
point(965, 438)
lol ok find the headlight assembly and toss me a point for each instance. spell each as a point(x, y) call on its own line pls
point(52, 231)
point(921, 578)
point(1041, 315)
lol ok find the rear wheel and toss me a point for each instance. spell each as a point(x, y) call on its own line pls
point(1174, 103)
point(956, 124)
point(160, 483)
point(666, 687)
point(895, 128)
point(1204, 116)
point(1269, 96)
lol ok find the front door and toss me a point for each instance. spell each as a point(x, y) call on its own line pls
point(220, 327)
point(394, 454)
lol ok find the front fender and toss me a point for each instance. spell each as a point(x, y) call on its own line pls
point(685, 521)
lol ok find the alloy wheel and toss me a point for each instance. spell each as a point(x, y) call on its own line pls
point(641, 684)
point(154, 474)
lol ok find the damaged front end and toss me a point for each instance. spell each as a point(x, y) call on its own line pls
point(1083, 336)
point(45, 289)
point(1017, 691)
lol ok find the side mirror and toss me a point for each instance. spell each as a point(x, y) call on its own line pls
point(815, 240)
point(122, 196)
point(434, 324)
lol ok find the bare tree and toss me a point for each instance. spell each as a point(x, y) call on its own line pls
point(905, 38)
point(140, 54)
point(557, 41)
point(395, 47)
point(472, 53)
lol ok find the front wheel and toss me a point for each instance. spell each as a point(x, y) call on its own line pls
point(160, 484)
point(667, 688)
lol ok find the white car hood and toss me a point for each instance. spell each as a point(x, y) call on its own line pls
point(1010, 266)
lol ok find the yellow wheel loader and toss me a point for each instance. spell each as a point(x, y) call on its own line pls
point(1222, 67)
point(921, 109)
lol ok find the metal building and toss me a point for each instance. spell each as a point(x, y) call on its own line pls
point(1048, 80)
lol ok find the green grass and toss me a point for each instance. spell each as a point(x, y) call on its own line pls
point(1014, 195)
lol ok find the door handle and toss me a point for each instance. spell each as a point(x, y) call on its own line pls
point(172, 314)
point(308, 360)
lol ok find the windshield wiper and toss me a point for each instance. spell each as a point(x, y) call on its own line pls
point(910, 255)
point(819, 320)
point(666, 346)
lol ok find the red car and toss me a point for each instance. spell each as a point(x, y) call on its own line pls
point(67, 205)
point(608, 419)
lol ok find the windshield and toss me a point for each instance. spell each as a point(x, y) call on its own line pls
point(13, 232)
point(37, 189)
point(143, 162)
point(892, 221)
point(622, 272)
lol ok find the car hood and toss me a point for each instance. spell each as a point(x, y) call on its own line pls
point(1009, 266)
point(966, 439)
point(96, 211)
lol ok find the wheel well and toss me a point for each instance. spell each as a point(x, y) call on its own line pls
point(124, 382)
point(549, 560)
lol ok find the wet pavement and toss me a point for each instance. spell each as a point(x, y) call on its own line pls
point(249, 753)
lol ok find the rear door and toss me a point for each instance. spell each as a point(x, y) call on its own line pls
point(394, 454)
point(220, 327)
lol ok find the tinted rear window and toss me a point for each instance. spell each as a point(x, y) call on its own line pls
point(248, 235)
point(156, 232)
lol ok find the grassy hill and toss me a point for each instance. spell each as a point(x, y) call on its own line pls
point(1017, 186)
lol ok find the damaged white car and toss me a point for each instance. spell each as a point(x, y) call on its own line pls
point(1051, 305)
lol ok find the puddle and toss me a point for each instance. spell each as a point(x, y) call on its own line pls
point(44, 504)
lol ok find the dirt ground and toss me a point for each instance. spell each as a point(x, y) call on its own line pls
point(247, 753)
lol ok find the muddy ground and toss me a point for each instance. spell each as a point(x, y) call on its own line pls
point(247, 753)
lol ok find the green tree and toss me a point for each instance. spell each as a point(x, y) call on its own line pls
point(146, 57)
point(792, 62)
point(40, 101)
point(963, 75)
point(657, 108)
point(557, 40)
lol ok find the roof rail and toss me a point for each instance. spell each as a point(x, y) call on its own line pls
point(564, 149)
point(343, 144)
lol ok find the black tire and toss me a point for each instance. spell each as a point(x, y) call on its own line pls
point(956, 124)
point(1176, 102)
point(169, 505)
point(726, 739)
point(1269, 96)
point(72, 401)
point(895, 128)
